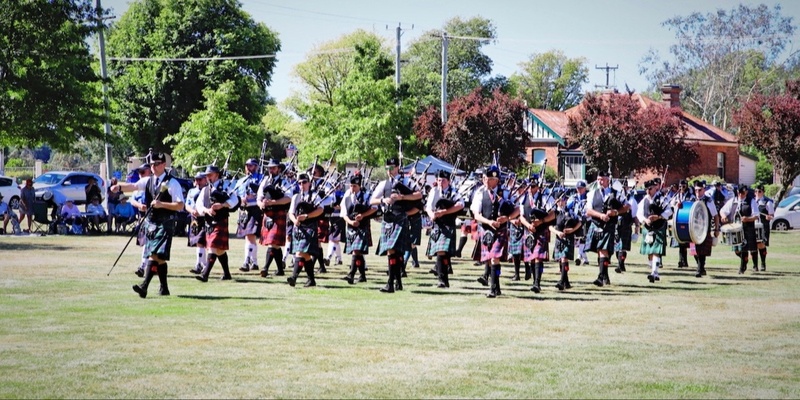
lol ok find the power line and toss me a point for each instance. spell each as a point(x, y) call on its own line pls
point(221, 58)
point(372, 20)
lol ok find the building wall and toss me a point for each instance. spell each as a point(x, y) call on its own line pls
point(551, 153)
point(747, 171)
point(707, 162)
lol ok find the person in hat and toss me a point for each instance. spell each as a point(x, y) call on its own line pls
point(471, 229)
point(604, 205)
point(537, 212)
point(653, 215)
point(442, 205)
point(703, 250)
point(274, 198)
point(325, 200)
point(577, 205)
point(196, 236)
point(95, 213)
point(337, 226)
point(71, 215)
point(123, 213)
point(566, 225)
point(396, 200)
point(304, 214)
point(743, 209)
point(516, 236)
point(766, 211)
point(138, 202)
point(163, 198)
point(214, 203)
point(248, 225)
point(718, 193)
point(356, 213)
point(684, 194)
point(493, 214)
point(625, 228)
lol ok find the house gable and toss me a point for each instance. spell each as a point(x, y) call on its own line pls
point(538, 130)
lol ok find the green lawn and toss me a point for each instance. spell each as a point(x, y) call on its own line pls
point(67, 330)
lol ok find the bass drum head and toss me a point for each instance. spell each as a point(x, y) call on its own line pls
point(698, 222)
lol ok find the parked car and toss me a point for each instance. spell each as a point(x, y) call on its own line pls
point(10, 191)
point(792, 191)
point(65, 185)
point(787, 214)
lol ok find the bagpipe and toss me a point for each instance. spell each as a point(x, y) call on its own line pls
point(276, 189)
point(219, 196)
point(660, 203)
point(447, 202)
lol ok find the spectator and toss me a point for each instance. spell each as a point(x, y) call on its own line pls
point(124, 213)
point(113, 198)
point(95, 213)
point(4, 212)
point(27, 198)
point(72, 215)
point(92, 191)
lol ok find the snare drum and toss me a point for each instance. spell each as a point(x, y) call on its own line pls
point(761, 234)
point(732, 234)
point(690, 223)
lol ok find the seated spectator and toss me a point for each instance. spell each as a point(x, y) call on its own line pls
point(72, 216)
point(95, 213)
point(4, 213)
point(124, 213)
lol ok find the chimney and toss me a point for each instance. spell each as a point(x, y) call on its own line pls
point(671, 96)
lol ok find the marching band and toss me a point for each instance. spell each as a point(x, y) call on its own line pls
point(511, 218)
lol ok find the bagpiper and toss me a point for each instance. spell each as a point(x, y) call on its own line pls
point(442, 205)
point(248, 225)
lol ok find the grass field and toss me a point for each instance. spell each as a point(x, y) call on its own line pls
point(69, 331)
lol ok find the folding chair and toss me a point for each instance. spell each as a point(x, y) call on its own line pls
point(41, 221)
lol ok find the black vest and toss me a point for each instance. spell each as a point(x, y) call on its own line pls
point(152, 192)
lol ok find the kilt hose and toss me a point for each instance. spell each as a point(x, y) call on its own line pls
point(273, 228)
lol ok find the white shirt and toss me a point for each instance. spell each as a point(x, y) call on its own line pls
point(436, 194)
point(732, 205)
point(204, 200)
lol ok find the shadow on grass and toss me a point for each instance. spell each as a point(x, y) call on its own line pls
point(28, 246)
point(208, 297)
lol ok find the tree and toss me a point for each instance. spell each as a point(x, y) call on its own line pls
point(154, 98)
point(771, 123)
point(48, 90)
point(366, 114)
point(614, 127)
point(551, 81)
point(476, 125)
point(467, 65)
point(213, 131)
point(723, 57)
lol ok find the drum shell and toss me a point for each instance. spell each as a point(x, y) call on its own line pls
point(732, 234)
point(685, 227)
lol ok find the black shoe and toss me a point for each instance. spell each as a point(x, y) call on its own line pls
point(618, 270)
point(326, 262)
point(349, 279)
point(398, 286)
point(244, 268)
point(197, 270)
point(651, 278)
point(567, 286)
point(163, 292)
point(577, 261)
point(491, 295)
point(339, 262)
point(441, 285)
point(201, 278)
point(483, 281)
point(536, 289)
point(404, 275)
point(254, 267)
point(264, 273)
point(741, 271)
point(698, 275)
point(703, 272)
point(225, 278)
point(322, 270)
point(434, 272)
point(606, 281)
point(598, 282)
point(515, 277)
point(387, 289)
point(657, 278)
point(763, 268)
point(560, 286)
point(362, 278)
point(139, 272)
point(291, 280)
point(415, 265)
point(477, 263)
point(310, 284)
point(138, 289)
point(280, 273)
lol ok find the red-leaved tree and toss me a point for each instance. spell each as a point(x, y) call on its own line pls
point(476, 125)
point(615, 127)
point(772, 125)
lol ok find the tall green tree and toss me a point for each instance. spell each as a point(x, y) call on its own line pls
point(467, 65)
point(722, 58)
point(366, 114)
point(49, 92)
point(551, 80)
point(154, 98)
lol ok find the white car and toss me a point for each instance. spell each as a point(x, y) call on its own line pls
point(10, 190)
point(787, 214)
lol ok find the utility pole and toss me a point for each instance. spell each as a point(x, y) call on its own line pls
point(104, 74)
point(397, 59)
point(445, 42)
point(607, 68)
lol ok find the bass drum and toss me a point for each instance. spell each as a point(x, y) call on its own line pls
point(690, 223)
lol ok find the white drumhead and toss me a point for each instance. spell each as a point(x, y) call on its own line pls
point(698, 222)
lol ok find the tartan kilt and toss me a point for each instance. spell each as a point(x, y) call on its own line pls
point(499, 247)
point(273, 228)
point(601, 239)
point(516, 236)
point(623, 239)
point(704, 249)
point(659, 245)
point(415, 229)
point(394, 236)
point(540, 250)
point(322, 230)
point(443, 238)
point(217, 235)
point(159, 238)
point(337, 229)
point(358, 238)
point(304, 238)
point(249, 222)
point(198, 237)
point(466, 227)
point(141, 240)
point(564, 248)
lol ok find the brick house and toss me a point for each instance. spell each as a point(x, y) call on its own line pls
point(718, 150)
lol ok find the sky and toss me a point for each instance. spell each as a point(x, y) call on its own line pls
point(617, 33)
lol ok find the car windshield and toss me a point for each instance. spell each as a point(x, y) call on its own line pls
point(788, 201)
point(49, 178)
